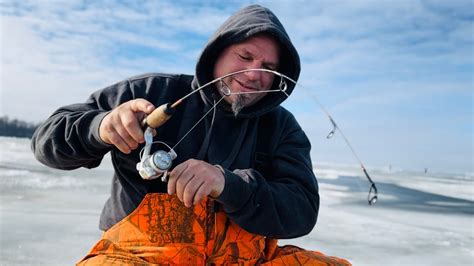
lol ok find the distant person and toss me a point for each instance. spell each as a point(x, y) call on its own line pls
point(241, 180)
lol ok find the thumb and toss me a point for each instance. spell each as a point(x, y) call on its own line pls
point(142, 105)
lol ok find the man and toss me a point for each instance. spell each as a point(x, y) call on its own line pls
point(241, 179)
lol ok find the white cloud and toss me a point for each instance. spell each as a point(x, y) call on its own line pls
point(361, 58)
point(60, 52)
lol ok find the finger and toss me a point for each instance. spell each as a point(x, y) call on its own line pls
point(190, 190)
point(118, 142)
point(142, 105)
point(131, 124)
point(174, 175)
point(129, 141)
point(172, 183)
point(201, 192)
point(181, 183)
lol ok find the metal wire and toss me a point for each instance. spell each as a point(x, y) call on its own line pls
point(373, 193)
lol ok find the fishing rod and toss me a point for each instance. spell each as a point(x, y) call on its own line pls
point(164, 112)
point(152, 166)
point(373, 193)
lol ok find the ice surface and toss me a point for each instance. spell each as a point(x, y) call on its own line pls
point(50, 217)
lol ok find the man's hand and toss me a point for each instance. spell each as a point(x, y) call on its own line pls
point(193, 180)
point(121, 127)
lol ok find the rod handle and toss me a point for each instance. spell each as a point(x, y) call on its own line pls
point(159, 116)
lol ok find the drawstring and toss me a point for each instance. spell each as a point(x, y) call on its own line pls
point(207, 139)
point(237, 145)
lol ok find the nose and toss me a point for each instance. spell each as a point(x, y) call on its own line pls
point(253, 75)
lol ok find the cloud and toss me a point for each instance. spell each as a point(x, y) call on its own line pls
point(393, 66)
point(62, 51)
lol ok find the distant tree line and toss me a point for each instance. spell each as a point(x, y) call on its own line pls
point(16, 128)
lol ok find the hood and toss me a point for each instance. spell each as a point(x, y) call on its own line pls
point(245, 23)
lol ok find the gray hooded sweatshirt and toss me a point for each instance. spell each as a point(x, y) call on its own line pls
point(270, 188)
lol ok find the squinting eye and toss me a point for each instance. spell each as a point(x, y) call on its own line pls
point(245, 58)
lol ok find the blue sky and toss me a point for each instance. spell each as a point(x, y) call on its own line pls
point(397, 76)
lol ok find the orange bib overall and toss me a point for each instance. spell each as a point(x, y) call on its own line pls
point(162, 231)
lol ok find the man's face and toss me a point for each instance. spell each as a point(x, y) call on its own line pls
point(260, 51)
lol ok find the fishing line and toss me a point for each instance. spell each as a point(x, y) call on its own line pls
point(166, 111)
point(373, 193)
point(179, 101)
point(225, 90)
point(199, 121)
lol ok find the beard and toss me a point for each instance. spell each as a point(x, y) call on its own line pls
point(239, 103)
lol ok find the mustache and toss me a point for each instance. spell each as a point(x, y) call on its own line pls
point(249, 84)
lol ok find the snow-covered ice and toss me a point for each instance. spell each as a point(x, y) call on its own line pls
point(50, 217)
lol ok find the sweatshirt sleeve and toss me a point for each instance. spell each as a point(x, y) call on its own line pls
point(69, 138)
point(284, 205)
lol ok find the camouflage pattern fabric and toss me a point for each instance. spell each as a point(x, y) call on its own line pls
point(162, 231)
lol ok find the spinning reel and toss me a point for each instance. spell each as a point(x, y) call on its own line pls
point(152, 166)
